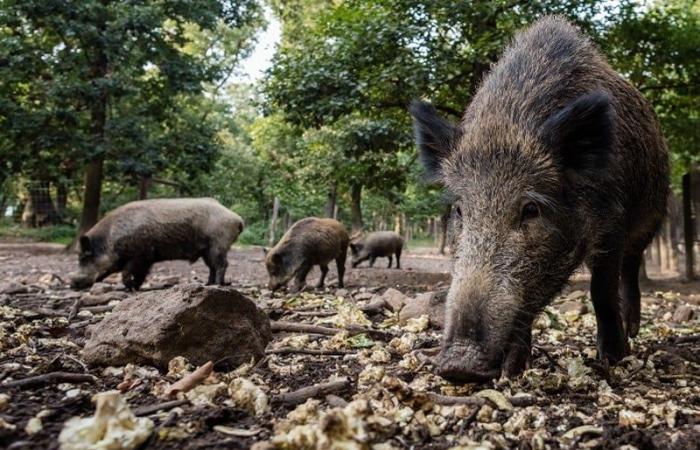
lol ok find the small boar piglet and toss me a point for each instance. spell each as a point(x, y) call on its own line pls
point(557, 161)
point(309, 242)
point(379, 244)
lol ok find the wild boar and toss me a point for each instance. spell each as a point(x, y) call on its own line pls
point(134, 236)
point(309, 242)
point(557, 161)
point(375, 245)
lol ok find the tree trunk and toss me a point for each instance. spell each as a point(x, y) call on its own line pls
point(39, 210)
point(98, 118)
point(91, 196)
point(444, 220)
point(144, 184)
point(688, 229)
point(331, 198)
point(356, 208)
point(273, 220)
point(61, 199)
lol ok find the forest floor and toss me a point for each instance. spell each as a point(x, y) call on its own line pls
point(384, 392)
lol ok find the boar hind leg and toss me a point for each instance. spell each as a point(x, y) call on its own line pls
point(630, 293)
point(324, 272)
point(217, 264)
point(340, 264)
point(605, 277)
point(390, 260)
point(371, 260)
point(398, 259)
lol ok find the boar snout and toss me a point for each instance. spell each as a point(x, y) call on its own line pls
point(466, 363)
point(79, 281)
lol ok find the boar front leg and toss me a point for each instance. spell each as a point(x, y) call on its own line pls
point(630, 293)
point(605, 278)
point(300, 277)
point(390, 261)
point(324, 272)
point(134, 273)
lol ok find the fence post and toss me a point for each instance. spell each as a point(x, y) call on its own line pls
point(688, 228)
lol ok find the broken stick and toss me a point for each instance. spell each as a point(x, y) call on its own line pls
point(190, 380)
point(306, 351)
point(150, 409)
point(317, 390)
point(50, 378)
point(292, 327)
point(439, 399)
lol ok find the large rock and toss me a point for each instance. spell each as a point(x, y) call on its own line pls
point(431, 304)
point(200, 323)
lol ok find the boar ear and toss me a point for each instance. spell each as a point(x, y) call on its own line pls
point(85, 245)
point(582, 133)
point(434, 137)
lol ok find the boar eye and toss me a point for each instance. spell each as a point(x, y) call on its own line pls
point(530, 211)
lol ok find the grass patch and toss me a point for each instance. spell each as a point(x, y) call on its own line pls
point(59, 234)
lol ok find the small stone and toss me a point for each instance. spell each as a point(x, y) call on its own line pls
point(431, 304)
point(395, 299)
point(684, 313)
point(193, 321)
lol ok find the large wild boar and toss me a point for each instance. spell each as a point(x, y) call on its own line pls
point(375, 245)
point(134, 236)
point(309, 242)
point(557, 161)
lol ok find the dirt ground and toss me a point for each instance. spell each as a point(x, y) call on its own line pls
point(392, 398)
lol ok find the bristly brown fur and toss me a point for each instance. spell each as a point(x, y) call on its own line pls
point(552, 125)
point(309, 242)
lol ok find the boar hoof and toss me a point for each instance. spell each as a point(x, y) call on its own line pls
point(613, 352)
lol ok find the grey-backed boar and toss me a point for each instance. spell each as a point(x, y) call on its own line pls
point(309, 242)
point(375, 245)
point(557, 161)
point(134, 236)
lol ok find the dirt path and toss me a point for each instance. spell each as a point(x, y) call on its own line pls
point(650, 401)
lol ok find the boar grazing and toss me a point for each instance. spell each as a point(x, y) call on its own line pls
point(307, 243)
point(557, 161)
point(134, 236)
point(376, 245)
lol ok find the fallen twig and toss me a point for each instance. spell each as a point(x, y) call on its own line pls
point(305, 351)
point(150, 409)
point(317, 390)
point(686, 339)
point(74, 310)
point(439, 399)
point(190, 380)
point(553, 362)
point(99, 309)
point(52, 377)
point(292, 327)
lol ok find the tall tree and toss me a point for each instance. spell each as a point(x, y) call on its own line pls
point(113, 76)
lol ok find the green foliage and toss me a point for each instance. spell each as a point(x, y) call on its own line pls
point(59, 234)
point(117, 80)
point(659, 51)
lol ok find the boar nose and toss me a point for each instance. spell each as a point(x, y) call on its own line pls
point(465, 363)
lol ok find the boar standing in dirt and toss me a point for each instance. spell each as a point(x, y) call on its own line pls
point(557, 161)
point(375, 245)
point(307, 243)
point(134, 236)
